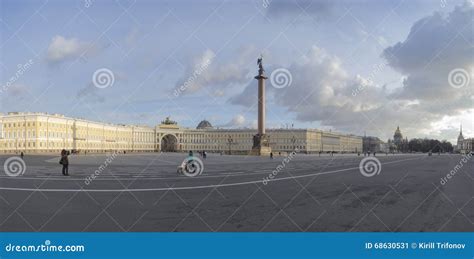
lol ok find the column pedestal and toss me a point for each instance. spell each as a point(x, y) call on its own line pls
point(261, 145)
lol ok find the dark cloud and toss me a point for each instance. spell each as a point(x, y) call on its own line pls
point(284, 8)
point(90, 94)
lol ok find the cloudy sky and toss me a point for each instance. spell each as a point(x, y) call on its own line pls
point(352, 66)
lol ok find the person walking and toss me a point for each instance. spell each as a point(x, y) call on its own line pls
point(271, 155)
point(22, 155)
point(65, 162)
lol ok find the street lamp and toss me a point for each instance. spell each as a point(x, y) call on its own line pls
point(230, 141)
point(293, 140)
point(24, 133)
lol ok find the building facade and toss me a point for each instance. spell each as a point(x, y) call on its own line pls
point(43, 133)
point(463, 145)
point(374, 144)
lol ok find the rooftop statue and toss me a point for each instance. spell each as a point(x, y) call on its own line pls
point(168, 121)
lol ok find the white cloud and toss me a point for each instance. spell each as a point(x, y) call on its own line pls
point(323, 91)
point(237, 122)
point(320, 87)
point(207, 71)
point(61, 49)
point(436, 45)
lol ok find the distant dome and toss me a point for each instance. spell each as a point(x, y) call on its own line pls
point(398, 133)
point(204, 125)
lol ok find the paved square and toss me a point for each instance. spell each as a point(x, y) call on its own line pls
point(142, 192)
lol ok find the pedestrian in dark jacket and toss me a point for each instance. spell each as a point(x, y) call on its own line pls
point(65, 162)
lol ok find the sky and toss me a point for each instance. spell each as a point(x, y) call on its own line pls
point(354, 66)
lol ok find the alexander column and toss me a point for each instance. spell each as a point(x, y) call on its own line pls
point(261, 145)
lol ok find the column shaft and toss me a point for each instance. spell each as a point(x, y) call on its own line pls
point(261, 106)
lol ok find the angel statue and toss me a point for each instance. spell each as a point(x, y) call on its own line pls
point(260, 63)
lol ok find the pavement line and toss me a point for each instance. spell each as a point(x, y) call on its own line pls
point(79, 177)
point(189, 187)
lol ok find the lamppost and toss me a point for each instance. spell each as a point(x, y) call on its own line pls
point(2, 133)
point(66, 136)
point(293, 140)
point(322, 144)
point(24, 133)
point(230, 141)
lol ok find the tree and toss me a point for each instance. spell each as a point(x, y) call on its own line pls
point(427, 145)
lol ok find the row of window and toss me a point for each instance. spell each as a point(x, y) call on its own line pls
point(32, 124)
point(247, 140)
point(19, 124)
point(31, 144)
point(54, 134)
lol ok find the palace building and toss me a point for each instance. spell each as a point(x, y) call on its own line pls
point(44, 133)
